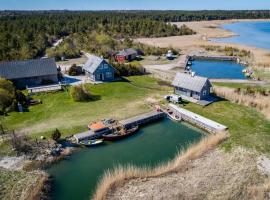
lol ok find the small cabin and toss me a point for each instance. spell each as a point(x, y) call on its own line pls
point(126, 55)
point(191, 85)
point(98, 69)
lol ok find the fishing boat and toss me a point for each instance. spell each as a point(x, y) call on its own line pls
point(90, 143)
point(120, 134)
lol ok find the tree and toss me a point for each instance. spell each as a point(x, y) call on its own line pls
point(79, 93)
point(56, 135)
point(73, 70)
point(7, 96)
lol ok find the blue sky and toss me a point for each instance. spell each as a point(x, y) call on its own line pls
point(132, 4)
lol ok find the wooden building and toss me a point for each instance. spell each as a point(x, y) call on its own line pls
point(98, 69)
point(126, 55)
point(30, 72)
point(191, 85)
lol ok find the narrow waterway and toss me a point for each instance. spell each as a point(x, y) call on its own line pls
point(218, 69)
point(77, 177)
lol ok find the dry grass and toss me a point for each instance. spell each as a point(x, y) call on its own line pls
point(256, 100)
point(120, 175)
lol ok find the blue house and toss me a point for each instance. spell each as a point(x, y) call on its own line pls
point(99, 69)
point(191, 85)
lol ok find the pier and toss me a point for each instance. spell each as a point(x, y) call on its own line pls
point(208, 57)
point(142, 119)
point(198, 120)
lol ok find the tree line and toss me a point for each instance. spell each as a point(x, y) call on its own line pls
point(27, 34)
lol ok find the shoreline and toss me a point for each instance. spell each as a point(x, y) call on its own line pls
point(259, 60)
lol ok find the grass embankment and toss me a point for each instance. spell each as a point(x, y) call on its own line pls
point(120, 175)
point(247, 127)
point(20, 184)
point(116, 100)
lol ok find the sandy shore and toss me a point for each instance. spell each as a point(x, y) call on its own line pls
point(205, 31)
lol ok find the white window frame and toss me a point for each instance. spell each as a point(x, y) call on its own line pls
point(109, 74)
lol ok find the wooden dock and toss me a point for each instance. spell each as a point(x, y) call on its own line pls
point(142, 119)
point(198, 120)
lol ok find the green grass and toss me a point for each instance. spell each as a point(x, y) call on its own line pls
point(116, 100)
point(247, 127)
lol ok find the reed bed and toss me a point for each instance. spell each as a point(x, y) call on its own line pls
point(256, 100)
point(121, 174)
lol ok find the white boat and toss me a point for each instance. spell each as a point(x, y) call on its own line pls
point(90, 143)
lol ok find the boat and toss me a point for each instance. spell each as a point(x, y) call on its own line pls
point(120, 134)
point(90, 143)
point(174, 117)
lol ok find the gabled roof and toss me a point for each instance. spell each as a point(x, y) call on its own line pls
point(127, 52)
point(93, 63)
point(194, 83)
point(28, 68)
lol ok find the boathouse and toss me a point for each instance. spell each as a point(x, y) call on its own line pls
point(126, 55)
point(98, 69)
point(192, 86)
point(30, 72)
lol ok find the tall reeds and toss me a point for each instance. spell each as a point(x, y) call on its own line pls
point(121, 174)
point(255, 99)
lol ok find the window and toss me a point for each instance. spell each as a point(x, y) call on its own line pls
point(204, 92)
point(109, 74)
point(106, 66)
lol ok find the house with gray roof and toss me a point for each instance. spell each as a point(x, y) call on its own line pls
point(98, 69)
point(127, 55)
point(30, 72)
point(191, 85)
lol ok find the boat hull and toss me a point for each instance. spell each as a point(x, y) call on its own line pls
point(114, 137)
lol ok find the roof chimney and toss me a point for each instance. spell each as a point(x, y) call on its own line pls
point(192, 74)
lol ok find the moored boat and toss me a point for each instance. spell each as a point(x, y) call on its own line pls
point(90, 143)
point(118, 135)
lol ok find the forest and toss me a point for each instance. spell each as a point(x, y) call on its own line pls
point(27, 34)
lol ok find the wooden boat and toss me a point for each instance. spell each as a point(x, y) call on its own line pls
point(118, 135)
point(90, 143)
point(174, 117)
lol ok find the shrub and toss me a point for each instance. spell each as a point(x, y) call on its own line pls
point(7, 96)
point(79, 93)
point(128, 69)
point(56, 135)
point(73, 70)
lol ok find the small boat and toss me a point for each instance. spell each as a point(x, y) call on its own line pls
point(90, 143)
point(173, 116)
point(118, 135)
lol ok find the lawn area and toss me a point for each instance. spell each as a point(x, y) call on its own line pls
point(247, 127)
point(112, 100)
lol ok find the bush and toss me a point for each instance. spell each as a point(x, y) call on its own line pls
point(128, 69)
point(79, 93)
point(56, 135)
point(74, 70)
point(7, 96)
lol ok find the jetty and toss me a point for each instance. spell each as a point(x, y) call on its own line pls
point(198, 120)
point(209, 57)
point(142, 119)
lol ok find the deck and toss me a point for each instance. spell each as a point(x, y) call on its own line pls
point(142, 119)
point(45, 88)
point(198, 120)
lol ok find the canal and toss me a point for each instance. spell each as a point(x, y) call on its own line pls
point(218, 69)
point(77, 177)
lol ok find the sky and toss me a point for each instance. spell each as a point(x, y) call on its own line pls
point(134, 4)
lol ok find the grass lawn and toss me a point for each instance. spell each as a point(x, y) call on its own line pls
point(247, 127)
point(112, 100)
